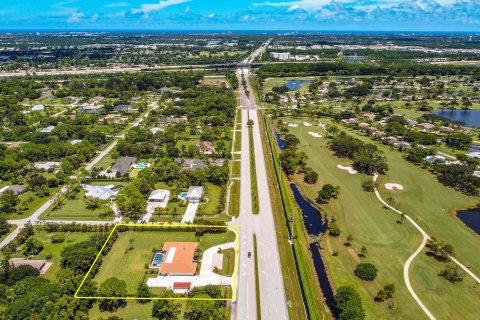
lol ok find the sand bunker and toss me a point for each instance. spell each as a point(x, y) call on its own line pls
point(293, 125)
point(349, 169)
point(314, 134)
point(391, 186)
point(306, 124)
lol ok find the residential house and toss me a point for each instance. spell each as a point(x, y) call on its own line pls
point(194, 194)
point(435, 159)
point(38, 107)
point(76, 141)
point(123, 108)
point(89, 109)
point(16, 189)
point(123, 164)
point(205, 147)
point(426, 126)
point(48, 129)
point(101, 192)
point(41, 265)
point(47, 165)
point(191, 164)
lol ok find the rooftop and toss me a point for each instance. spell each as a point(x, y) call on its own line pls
point(179, 258)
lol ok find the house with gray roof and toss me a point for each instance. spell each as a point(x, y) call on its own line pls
point(100, 192)
point(123, 165)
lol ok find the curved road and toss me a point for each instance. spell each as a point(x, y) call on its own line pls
point(406, 267)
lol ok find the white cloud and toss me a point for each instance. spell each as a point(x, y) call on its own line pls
point(147, 8)
point(187, 9)
point(75, 17)
point(117, 4)
point(211, 16)
point(94, 17)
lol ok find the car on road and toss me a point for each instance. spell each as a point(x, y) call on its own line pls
point(249, 254)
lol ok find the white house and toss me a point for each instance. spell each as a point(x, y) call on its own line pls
point(194, 194)
point(158, 199)
point(48, 129)
point(47, 165)
point(101, 192)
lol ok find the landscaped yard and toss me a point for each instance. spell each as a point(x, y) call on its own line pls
point(75, 208)
point(212, 197)
point(51, 251)
point(389, 243)
point(129, 265)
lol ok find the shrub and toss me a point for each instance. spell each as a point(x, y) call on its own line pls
point(21, 272)
point(311, 176)
point(57, 238)
point(366, 271)
point(452, 273)
point(348, 304)
point(368, 185)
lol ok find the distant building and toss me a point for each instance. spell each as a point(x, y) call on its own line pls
point(280, 55)
point(194, 194)
point(48, 129)
point(191, 164)
point(123, 164)
point(47, 165)
point(89, 109)
point(123, 108)
point(38, 107)
point(76, 141)
point(435, 159)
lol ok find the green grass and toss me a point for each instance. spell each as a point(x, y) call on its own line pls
point(297, 264)
point(212, 198)
point(75, 209)
point(238, 141)
point(132, 311)
point(253, 174)
point(228, 263)
point(105, 162)
point(32, 203)
point(236, 168)
point(129, 265)
point(234, 205)
point(257, 280)
point(55, 249)
point(389, 244)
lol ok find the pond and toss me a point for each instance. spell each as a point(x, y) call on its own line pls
point(295, 85)
point(471, 219)
point(471, 118)
point(315, 225)
point(281, 143)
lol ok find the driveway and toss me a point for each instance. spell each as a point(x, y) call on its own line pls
point(190, 213)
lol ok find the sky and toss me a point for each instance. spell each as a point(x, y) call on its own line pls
point(230, 15)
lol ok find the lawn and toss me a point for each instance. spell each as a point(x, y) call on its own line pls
point(129, 265)
point(105, 162)
point(228, 263)
point(235, 168)
point(55, 249)
point(389, 244)
point(29, 203)
point(234, 205)
point(212, 198)
point(132, 311)
point(75, 209)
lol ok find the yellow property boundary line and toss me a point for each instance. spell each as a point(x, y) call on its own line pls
point(234, 289)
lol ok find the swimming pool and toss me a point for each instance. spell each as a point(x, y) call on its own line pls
point(183, 195)
point(141, 165)
point(157, 259)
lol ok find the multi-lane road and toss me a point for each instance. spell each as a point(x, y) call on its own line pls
point(272, 294)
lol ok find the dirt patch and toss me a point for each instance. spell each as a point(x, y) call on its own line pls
point(354, 255)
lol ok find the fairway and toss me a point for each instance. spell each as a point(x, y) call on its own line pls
point(389, 244)
point(129, 264)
